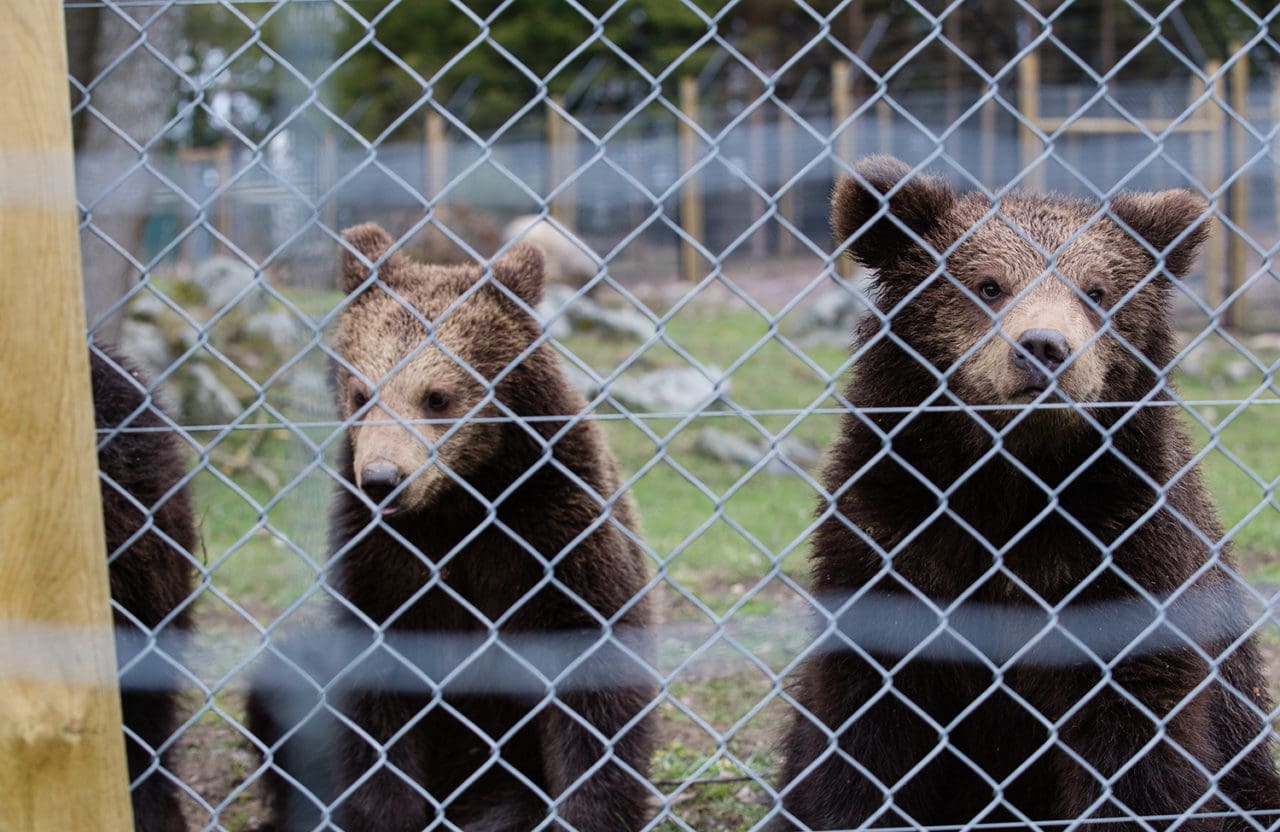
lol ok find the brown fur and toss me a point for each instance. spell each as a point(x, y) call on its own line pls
point(150, 532)
point(442, 564)
point(1034, 503)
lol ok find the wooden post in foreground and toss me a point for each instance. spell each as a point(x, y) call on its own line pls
point(60, 737)
point(691, 193)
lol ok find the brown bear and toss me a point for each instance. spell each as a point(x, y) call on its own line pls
point(487, 565)
point(151, 535)
point(1028, 610)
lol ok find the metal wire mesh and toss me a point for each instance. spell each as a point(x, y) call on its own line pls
point(675, 159)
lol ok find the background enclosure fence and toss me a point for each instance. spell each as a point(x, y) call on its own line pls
point(676, 159)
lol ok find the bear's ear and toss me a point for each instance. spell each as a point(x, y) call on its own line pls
point(917, 204)
point(365, 246)
point(1161, 218)
point(521, 270)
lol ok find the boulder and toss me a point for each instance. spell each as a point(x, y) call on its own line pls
point(567, 260)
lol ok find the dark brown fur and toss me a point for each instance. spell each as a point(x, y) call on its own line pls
point(151, 573)
point(464, 567)
point(976, 746)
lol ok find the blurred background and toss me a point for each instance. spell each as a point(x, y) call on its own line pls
point(674, 158)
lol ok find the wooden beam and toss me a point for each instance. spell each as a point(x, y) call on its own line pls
point(61, 737)
point(1233, 315)
point(691, 194)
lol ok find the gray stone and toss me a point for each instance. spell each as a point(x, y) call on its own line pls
point(554, 299)
point(836, 308)
point(580, 380)
point(222, 279)
point(1240, 370)
point(148, 308)
point(566, 261)
point(725, 446)
point(205, 399)
point(802, 452)
point(676, 390)
point(1263, 343)
point(146, 344)
point(619, 323)
point(579, 313)
point(279, 327)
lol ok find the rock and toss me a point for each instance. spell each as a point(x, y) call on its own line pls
point(145, 343)
point(1240, 370)
point(567, 260)
point(1264, 343)
point(205, 399)
point(622, 323)
point(278, 327)
point(148, 308)
point(308, 394)
point(676, 390)
point(1193, 362)
point(221, 279)
point(836, 308)
point(802, 452)
point(726, 446)
point(581, 380)
point(579, 313)
point(555, 298)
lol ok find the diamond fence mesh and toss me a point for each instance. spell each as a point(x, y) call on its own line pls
point(464, 599)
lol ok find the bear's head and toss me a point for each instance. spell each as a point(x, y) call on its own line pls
point(1038, 298)
point(430, 361)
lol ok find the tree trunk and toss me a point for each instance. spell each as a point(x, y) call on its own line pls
point(125, 103)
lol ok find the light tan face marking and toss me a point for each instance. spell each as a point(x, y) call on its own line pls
point(1019, 292)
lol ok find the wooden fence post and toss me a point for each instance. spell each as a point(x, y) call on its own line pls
point(222, 214)
point(1215, 257)
point(437, 153)
point(561, 144)
point(328, 175)
point(757, 169)
point(1233, 315)
point(691, 193)
point(60, 737)
point(842, 134)
point(786, 167)
point(1275, 147)
point(1029, 106)
point(987, 143)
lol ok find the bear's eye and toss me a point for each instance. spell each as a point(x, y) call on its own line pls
point(1096, 295)
point(437, 401)
point(359, 399)
point(989, 290)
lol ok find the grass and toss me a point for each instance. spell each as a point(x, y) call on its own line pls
point(715, 534)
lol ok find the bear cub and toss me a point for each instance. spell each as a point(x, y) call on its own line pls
point(1028, 610)
point(151, 535)
point(493, 669)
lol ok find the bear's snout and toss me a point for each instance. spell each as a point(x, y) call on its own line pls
point(378, 480)
point(1040, 352)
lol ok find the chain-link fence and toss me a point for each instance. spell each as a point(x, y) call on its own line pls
point(626, 534)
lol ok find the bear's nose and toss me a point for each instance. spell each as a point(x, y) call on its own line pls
point(379, 480)
point(1041, 350)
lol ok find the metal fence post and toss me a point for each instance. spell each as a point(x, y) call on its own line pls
point(63, 748)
